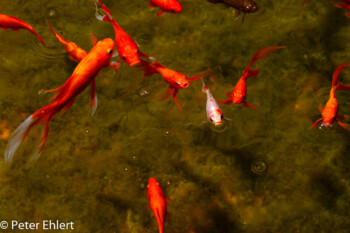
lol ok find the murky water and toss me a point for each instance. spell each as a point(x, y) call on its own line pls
point(262, 171)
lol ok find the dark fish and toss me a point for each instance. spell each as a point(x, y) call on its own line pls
point(246, 6)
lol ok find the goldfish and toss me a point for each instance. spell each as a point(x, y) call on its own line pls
point(171, 6)
point(344, 5)
point(83, 75)
point(157, 202)
point(15, 24)
point(239, 92)
point(245, 6)
point(330, 111)
point(127, 49)
point(75, 52)
point(214, 113)
point(175, 79)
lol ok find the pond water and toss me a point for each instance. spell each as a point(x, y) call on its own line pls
point(263, 170)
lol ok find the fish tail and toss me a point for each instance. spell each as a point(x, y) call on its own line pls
point(204, 88)
point(108, 17)
point(335, 80)
point(43, 115)
point(58, 36)
point(261, 54)
point(148, 68)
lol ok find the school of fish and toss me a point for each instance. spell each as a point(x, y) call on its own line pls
point(90, 63)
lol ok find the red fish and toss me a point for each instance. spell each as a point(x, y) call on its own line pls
point(214, 113)
point(171, 6)
point(126, 47)
point(15, 24)
point(344, 5)
point(175, 79)
point(83, 75)
point(330, 111)
point(239, 93)
point(157, 202)
point(75, 52)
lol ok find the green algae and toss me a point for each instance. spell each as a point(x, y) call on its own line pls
point(94, 170)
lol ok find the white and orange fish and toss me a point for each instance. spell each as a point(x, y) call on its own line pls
point(83, 75)
point(214, 113)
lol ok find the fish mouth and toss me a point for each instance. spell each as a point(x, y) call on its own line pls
point(133, 63)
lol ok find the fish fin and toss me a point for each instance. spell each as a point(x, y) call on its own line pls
point(115, 53)
point(199, 76)
point(228, 95)
point(320, 107)
point(248, 105)
point(167, 201)
point(336, 5)
point(316, 123)
point(261, 54)
point(93, 98)
point(150, 5)
point(40, 39)
point(342, 117)
point(145, 55)
point(167, 94)
point(243, 18)
point(4, 28)
point(160, 13)
point(306, 3)
point(229, 101)
point(175, 98)
point(73, 58)
point(99, 16)
point(93, 38)
point(148, 68)
point(115, 65)
point(252, 73)
point(345, 126)
point(335, 79)
point(347, 14)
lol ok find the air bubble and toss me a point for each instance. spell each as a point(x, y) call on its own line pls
point(259, 167)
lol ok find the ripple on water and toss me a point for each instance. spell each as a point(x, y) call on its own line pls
point(259, 167)
point(220, 128)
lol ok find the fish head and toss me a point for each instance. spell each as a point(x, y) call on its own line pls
point(175, 7)
point(180, 81)
point(103, 50)
point(237, 98)
point(250, 6)
point(152, 181)
point(216, 117)
point(130, 54)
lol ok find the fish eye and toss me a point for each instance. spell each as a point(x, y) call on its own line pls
point(177, 83)
point(109, 51)
point(221, 117)
point(211, 119)
point(124, 58)
point(171, 11)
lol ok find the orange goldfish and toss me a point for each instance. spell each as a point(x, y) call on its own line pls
point(239, 93)
point(15, 24)
point(83, 75)
point(126, 47)
point(157, 202)
point(214, 113)
point(344, 5)
point(330, 111)
point(175, 79)
point(171, 6)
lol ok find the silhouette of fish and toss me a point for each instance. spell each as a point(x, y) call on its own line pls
point(245, 6)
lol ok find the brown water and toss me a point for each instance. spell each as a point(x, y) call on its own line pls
point(93, 171)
